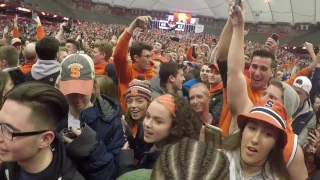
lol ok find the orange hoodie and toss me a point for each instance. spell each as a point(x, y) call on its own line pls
point(40, 32)
point(125, 70)
point(26, 67)
point(99, 68)
point(254, 96)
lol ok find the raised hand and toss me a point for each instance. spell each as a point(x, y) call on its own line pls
point(37, 20)
point(272, 46)
point(6, 30)
point(237, 14)
point(140, 22)
point(15, 20)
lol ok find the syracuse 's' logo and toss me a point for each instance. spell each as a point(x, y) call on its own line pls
point(75, 70)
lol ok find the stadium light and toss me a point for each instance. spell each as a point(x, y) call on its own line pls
point(3, 5)
point(65, 18)
point(55, 16)
point(43, 13)
point(23, 9)
point(294, 47)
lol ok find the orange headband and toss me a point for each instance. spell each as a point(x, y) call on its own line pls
point(168, 101)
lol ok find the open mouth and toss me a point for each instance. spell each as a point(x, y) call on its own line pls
point(135, 112)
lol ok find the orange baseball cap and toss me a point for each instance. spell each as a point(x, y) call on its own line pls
point(214, 66)
point(269, 111)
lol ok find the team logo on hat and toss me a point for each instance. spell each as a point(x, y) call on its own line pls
point(269, 104)
point(134, 91)
point(75, 70)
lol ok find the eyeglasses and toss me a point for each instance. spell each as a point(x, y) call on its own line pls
point(9, 134)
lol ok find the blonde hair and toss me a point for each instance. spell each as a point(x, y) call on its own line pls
point(201, 85)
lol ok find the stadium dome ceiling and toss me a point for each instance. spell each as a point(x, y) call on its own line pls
point(270, 11)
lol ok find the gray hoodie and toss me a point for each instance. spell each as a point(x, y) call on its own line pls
point(157, 90)
point(291, 99)
point(44, 68)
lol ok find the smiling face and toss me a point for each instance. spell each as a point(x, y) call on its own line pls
point(205, 70)
point(157, 124)
point(199, 99)
point(78, 102)
point(258, 139)
point(137, 106)
point(260, 72)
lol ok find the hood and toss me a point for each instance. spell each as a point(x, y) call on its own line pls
point(104, 108)
point(291, 99)
point(155, 85)
point(44, 68)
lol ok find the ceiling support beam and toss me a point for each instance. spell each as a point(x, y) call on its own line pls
point(293, 21)
point(214, 15)
point(155, 2)
point(271, 12)
point(254, 17)
point(315, 12)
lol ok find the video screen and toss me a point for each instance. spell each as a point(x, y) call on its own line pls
point(182, 17)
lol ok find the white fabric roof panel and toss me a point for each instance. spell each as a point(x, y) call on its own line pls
point(269, 11)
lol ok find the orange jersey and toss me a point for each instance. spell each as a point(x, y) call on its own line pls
point(125, 70)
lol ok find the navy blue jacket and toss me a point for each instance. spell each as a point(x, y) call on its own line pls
point(97, 147)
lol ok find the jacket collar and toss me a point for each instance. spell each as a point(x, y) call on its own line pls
point(104, 108)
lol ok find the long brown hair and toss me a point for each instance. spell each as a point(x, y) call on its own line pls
point(275, 157)
point(4, 77)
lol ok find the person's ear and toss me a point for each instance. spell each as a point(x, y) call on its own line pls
point(136, 58)
point(171, 78)
point(57, 56)
point(46, 139)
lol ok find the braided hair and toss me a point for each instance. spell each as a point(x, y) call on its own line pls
point(191, 160)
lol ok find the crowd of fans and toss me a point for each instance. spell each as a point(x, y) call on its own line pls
point(106, 101)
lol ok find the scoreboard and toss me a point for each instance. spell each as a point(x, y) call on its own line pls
point(177, 26)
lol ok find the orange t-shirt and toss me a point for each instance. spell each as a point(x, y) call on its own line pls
point(125, 70)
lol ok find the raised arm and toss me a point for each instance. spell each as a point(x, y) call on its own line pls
point(61, 31)
point(15, 27)
point(237, 95)
point(40, 30)
point(121, 51)
point(5, 32)
point(305, 71)
point(224, 42)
